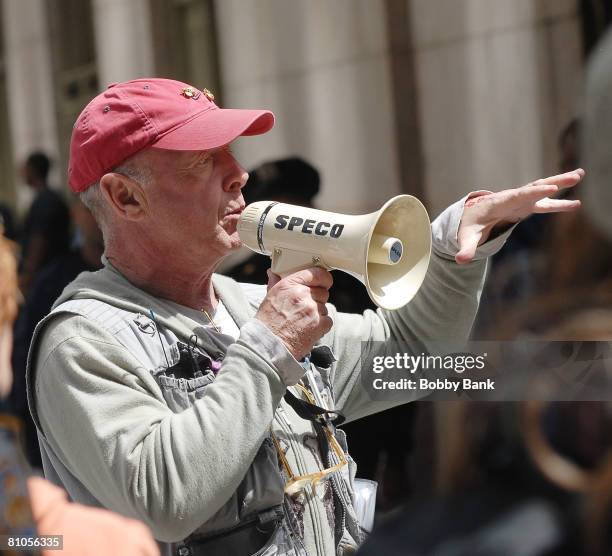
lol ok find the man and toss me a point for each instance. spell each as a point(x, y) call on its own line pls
point(171, 394)
point(46, 229)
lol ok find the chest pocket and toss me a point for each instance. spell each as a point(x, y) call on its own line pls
point(186, 381)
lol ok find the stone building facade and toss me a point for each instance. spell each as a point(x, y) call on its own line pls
point(429, 97)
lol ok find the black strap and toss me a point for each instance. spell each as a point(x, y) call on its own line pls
point(312, 412)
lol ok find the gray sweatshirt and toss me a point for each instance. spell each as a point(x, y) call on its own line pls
point(110, 438)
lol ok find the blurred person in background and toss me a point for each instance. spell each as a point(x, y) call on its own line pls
point(501, 493)
point(576, 280)
point(575, 236)
point(569, 147)
point(84, 255)
point(531, 267)
point(45, 233)
point(32, 506)
point(7, 222)
point(536, 478)
point(585, 312)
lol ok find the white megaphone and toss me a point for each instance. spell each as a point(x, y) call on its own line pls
point(387, 250)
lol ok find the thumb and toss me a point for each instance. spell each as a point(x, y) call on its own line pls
point(467, 248)
point(273, 279)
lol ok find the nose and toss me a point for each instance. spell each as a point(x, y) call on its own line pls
point(236, 177)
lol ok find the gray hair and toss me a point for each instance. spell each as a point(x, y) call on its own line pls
point(94, 200)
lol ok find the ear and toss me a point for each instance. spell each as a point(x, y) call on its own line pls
point(124, 196)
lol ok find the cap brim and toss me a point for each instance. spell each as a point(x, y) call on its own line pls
point(215, 128)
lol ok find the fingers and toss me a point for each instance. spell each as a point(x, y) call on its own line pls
point(320, 295)
point(467, 248)
point(325, 321)
point(313, 277)
point(326, 324)
point(536, 192)
point(312, 299)
point(556, 205)
point(569, 179)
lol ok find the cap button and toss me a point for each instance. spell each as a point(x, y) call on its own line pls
point(112, 84)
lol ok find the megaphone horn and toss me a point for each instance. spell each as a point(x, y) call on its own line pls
point(387, 250)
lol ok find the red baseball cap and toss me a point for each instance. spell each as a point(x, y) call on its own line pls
point(160, 113)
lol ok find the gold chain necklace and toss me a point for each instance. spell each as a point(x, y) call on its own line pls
point(212, 322)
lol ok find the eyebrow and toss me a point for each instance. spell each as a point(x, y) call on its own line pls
point(192, 161)
point(202, 154)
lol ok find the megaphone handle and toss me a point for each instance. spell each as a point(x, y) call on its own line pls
point(287, 261)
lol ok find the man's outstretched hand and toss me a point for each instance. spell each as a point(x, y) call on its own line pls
point(487, 211)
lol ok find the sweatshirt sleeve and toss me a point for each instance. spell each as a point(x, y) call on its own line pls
point(105, 418)
point(444, 308)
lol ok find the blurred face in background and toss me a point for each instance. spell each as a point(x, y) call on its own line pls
point(8, 310)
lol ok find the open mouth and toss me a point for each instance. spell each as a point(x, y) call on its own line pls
point(235, 212)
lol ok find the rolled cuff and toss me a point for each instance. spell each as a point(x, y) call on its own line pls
point(267, 345)
point(445, 230)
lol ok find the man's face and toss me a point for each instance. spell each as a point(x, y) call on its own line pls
point(194, 201)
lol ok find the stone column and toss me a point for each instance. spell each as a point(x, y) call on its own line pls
point(497, 81)
point(323, 68)
point(124, 42)
point(29, 79)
